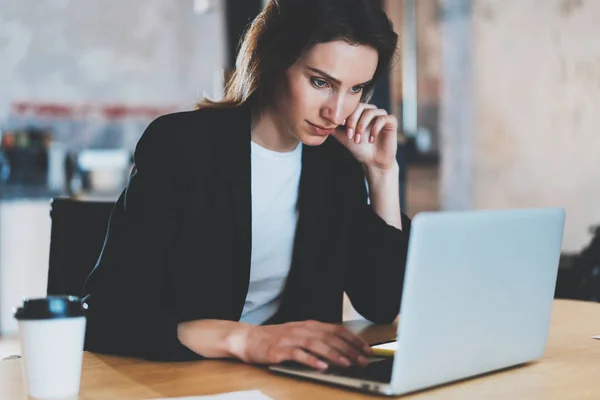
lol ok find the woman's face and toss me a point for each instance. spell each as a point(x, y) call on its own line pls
point(322, 89)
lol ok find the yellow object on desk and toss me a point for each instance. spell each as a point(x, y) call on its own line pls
point(386, 349)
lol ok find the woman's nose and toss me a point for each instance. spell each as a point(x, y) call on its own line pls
point(333, 110)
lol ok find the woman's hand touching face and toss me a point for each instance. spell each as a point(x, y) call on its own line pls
point(370, 133)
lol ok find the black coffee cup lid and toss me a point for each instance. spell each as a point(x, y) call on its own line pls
point(51, 307)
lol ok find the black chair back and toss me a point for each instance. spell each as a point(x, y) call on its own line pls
point(76, 239)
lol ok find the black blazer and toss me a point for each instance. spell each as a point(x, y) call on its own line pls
point(178, 245)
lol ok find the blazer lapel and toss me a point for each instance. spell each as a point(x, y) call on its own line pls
point(237, 165)
point(312, 234)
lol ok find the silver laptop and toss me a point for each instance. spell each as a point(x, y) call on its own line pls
point(477, 297)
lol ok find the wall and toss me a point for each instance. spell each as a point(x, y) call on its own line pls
point(534, 134)
point(135, 52)
point(24, 252)
point(395, 12)
point(149, 52)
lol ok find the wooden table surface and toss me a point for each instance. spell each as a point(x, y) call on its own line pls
point(570, 369)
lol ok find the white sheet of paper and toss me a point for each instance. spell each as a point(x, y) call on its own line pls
point(596, 337)
point(245, 395)
point(387, 346)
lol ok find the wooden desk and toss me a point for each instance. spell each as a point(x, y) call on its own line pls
point(570, 369)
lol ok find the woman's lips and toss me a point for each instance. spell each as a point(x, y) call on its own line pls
point(320, 130)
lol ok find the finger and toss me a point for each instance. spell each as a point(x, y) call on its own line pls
point(363, 135)
point(357, 342)
point(352, 120)
point(344, 348)
point(303, 357)
point(366, 119)
point(342, 136)
point(318, 347)
point(380, 122)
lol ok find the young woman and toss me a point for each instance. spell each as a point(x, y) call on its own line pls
point(244, 221)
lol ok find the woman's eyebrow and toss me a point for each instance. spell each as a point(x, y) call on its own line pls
point(331, 78)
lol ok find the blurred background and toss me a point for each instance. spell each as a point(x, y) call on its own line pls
point(499, 103)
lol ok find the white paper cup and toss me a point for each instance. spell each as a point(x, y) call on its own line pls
point(52, 332)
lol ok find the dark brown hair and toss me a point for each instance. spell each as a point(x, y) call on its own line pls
point(279, 35)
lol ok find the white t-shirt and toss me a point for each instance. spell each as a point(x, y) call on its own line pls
point(275, 178)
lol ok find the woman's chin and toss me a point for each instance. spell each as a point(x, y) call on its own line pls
point(313, 140)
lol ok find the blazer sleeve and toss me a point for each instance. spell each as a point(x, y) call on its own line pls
point(128, 313)
point(377, 261)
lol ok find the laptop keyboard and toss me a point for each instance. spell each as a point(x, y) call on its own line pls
point(377, 371)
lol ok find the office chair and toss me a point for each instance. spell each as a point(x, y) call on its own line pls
point(579, 273)
point(76, 239)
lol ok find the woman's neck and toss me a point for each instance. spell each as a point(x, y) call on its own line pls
point(270, 133)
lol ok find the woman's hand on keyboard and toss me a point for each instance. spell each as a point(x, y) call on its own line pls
point(311, 343)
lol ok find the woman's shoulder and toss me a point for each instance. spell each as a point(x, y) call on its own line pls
point(188, 128)
point(199, 120)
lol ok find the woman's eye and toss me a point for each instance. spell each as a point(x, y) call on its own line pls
point(356, 89)
point(320, 83)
